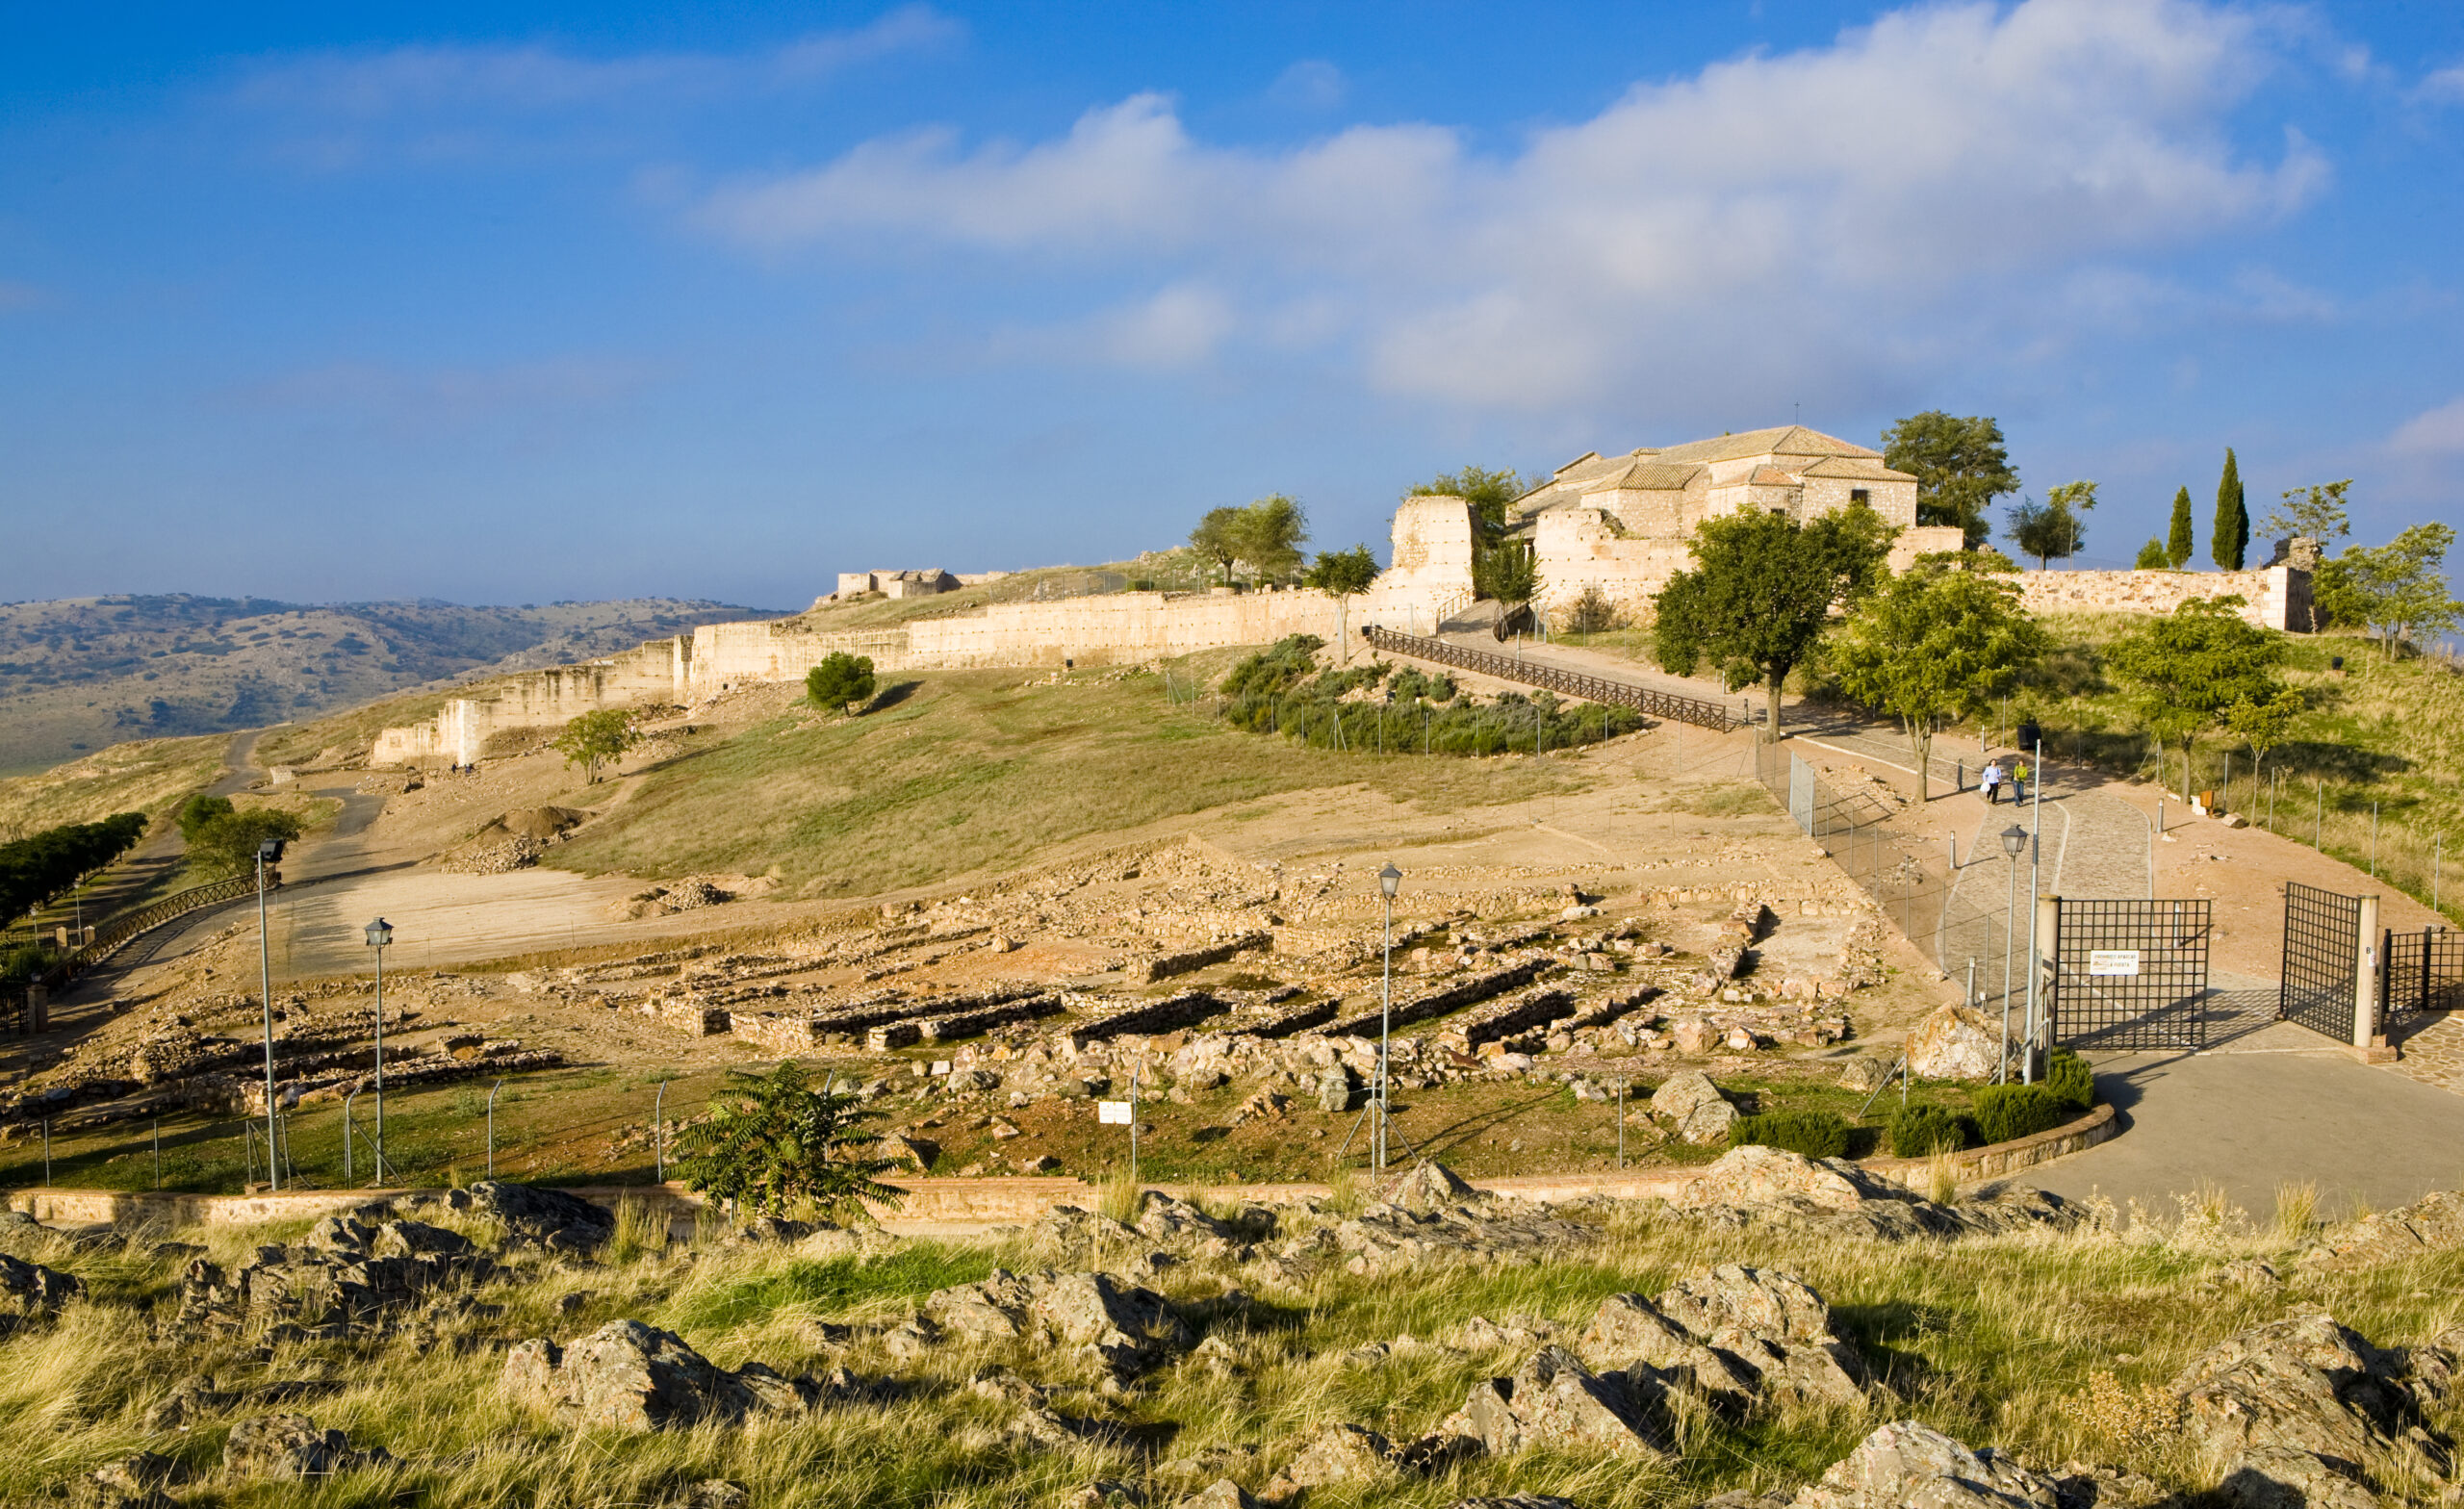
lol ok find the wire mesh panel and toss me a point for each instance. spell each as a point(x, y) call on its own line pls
point(2130, 975)
point(2321, 959)
point(2424, 972)
point(1800, 799)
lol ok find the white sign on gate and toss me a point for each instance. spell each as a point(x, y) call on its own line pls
point(2112, 962)
point(1112, 1113)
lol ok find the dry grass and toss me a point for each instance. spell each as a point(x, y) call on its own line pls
point(2056, 1347)
point(150, 775)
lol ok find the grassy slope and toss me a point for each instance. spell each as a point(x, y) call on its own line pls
point(1996, 1342)
point(969, 769)
point(141, 776)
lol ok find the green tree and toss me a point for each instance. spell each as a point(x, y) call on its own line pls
point(2229, 542)
point(841, 681)
point(1489, 493)
point(2152, 557)
point(198, 810)
point(2262, 725)
point(1506, 572)
point(2181, 541)
point(1218, 538)
point(1343, 574)
point(228, 844)
point(2185, 669)
point(1936, 645)
point(779, 1144)
point(1762, 593)
point(1270, 533)
point(2398, 589)
point(2053, 529)
point(1960, 466)
point(596, 738)
point(2315, 512)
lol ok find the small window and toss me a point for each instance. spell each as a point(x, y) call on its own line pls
point(1859, 495)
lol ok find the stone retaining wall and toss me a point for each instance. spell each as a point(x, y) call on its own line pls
point(2273, 596)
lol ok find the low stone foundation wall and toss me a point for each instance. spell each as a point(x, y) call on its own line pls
point(948, 1206)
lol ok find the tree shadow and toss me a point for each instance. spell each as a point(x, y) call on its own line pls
point(2308, 758)
point(891, 696)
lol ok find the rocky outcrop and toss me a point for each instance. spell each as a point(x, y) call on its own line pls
point(2433, 1223)
point(347, 1279)
point(1733, 1336)
point(290, 1447)
point(1907, 1464)
point(1755, 1186)
point(1555, 1403)
point(30, 1291)
point(630, 1376)
point(553, 1219)
point(2298, 1410)
point(1123, 1328)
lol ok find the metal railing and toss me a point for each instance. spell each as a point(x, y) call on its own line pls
point(1696, 711)
point(113, 934)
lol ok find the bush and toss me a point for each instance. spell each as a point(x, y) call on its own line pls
point(228, 844)
point(1922, 1131)
point(776, 1142)
point(2006, 1112)
point(2073, 1083)
point(1592, 613)
point(2152, 557)
point(1816, 1134)
point(200, 810)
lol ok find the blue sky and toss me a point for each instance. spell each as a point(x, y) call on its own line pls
point(510, 303)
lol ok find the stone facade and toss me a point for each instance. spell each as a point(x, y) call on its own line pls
point(897, 583)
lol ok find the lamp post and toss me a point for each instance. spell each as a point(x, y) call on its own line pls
point(268, 855)
point(380, 933)
point(2035, 889)
point(2013, 839)
point(1389, 881)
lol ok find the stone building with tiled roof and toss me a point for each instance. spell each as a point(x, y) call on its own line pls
point(1624, 523)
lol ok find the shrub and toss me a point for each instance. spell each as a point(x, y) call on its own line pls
point(228, 844)
point(2072, 1081)
point(1922, 1131)
point(200, 810)
point(2005, 1111)
point(776, 1142)
point(1592, 613)
point(1816, 1134)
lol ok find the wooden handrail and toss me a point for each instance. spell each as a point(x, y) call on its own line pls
point(1696, 711)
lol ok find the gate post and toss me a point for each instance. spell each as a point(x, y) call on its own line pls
point(2369, 1045)
point(2043, 980)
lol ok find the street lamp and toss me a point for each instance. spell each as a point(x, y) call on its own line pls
point(2035, 893)
point(2013, 839)
point(380, 933)
point(268, 855)
point(1389, 881)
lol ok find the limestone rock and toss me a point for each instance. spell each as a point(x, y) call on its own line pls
point(1756, 1175)
point(2284, 1477)
point(2432, 1223)
point(1954, 1042)
point(133, 1482)
point(1556, 1403)
point(29, 1290)
point(630, 1376)
point(1221, 1494)
point(2305, 1383)
point(1334, 1090)
point(1344, 1453)
point(289, 1447)
point(1708, 1125)
point(420, 1239)
point(1693, 1036)
point(1773, 1323)
point(1627, 1333)
point(1679, 1096)
point(555, 1220)
point(1905, 1464)
point(1430, 1186)
point(716, 1492)
point(1863, 1074)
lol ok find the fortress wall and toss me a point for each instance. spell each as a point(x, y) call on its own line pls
point(2274, 597)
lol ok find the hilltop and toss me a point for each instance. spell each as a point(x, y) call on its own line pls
point(78, 674)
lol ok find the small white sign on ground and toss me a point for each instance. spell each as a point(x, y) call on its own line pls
point(2112, 962)
point(1112, 1113)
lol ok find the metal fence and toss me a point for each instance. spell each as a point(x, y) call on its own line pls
point(1860, 832)
point(2321, 959)
point(2424, 972)
point(1696, 711)
point(2130, 975)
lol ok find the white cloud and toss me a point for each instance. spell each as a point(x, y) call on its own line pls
point(2434, 433)
point(1180, 326)
point(1764, 216)
point(409, 80)
point(1311, 84)
point(2444, 86)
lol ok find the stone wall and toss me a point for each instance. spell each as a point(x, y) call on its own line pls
point(2273, 596)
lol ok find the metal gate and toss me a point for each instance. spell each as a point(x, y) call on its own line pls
point(2424, 972)
point(2321, 959)
point(2130, 975)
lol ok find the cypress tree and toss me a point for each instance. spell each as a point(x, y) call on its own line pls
point(2230, 541)
point(2183, 542)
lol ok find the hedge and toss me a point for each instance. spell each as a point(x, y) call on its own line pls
point(1922, 1131)
point(2005, 1112)
point(1816, 1134)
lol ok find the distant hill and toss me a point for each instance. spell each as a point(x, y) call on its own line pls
point(82, 672)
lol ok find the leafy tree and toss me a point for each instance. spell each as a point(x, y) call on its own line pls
point(1343, 574)
point(1506, 572)
point(2397, 589)
point(2229, 542)
point(198, 810)
point(776, 1142)
point(840, 681)
point(1218, 538)
point(2053, 529)
point(2152, 557)
point(2185, 669)
point(228, 844)
point(1270, 533)
point(1762, 593)
point(1936, 645)
point(2181, 540)
point(1489, 493)
point(596, 738)
point(1591, 612)
point(2315, 512)
point(1959, 465)
point(2263, 725)
point(40, 866)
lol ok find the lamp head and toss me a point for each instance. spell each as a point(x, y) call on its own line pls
point(1389, 881)
point(2013, 839)
point(270, 851)
point(379, 933)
